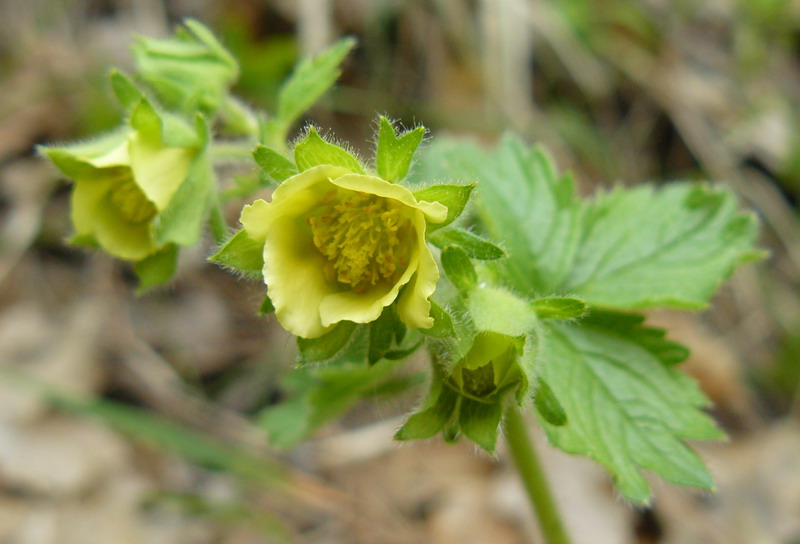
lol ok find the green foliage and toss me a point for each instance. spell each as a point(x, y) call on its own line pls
point(608, 385)
point(307, 84)
point(627, 407)
point(320, 393)
point(190, 72)
point(394, 151)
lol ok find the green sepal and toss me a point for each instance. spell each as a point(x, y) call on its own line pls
point(126, 91)
point(475, 246)
point(309, 81)
point(146, 120)
point(459, 269)
point(442, 323)
point(548, 406)
point(83, 240)
point(313, 150)
point(453, 197)
point(383, 332)
point(327, 346)
point(395, 151)
point(273, 164)
point(182, 220)
point(431, 419)
point(480, 422)
point(241, 253)
point(157, 269)
point(266, 306)
point(559, 308)
point(72, 159)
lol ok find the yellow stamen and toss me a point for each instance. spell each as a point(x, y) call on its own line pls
point(130, 201)
point(361, 238)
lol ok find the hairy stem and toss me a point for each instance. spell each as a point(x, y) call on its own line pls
point(533, 478)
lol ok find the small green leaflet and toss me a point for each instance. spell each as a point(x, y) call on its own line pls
point(305, 86)
point(394, 152)
point(626, 407)
point(275, 165)
point(474, 246)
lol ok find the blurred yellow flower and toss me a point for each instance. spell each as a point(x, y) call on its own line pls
point(339, 246)
point(123, 181)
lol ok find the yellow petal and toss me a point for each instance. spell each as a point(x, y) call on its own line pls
point(435, 211)
point(93, 213)
point(414, 308)
point(158, 170)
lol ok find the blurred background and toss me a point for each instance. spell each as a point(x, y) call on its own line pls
point(132, 421)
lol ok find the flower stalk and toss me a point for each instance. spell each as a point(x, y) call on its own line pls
point(533, 478)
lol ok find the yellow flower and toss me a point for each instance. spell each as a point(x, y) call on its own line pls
point(339, 246)
point(123, 181)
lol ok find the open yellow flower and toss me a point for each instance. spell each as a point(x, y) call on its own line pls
point(339, 246)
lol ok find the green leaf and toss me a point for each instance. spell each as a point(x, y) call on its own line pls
point(459, 269)
point(310, 80)
point(453, 197)
point(442, 323)
point(124, 89)
point(313, 151)
point(627, 249)
point(548, 406)
point(627, 408)
point(317, 394)
point(182, 220)
point(395, 152)
point(559, 308)
point(241, 253)
point(275, 165)
point(157, 269)
point(644, 248)
point(327, 346)
point(475, 246)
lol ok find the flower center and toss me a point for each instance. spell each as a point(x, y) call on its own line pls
point(361, 238)
point(130, 202)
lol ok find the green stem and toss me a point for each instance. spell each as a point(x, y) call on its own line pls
point(233, 151)
point(533, 478)
point(219, 228)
